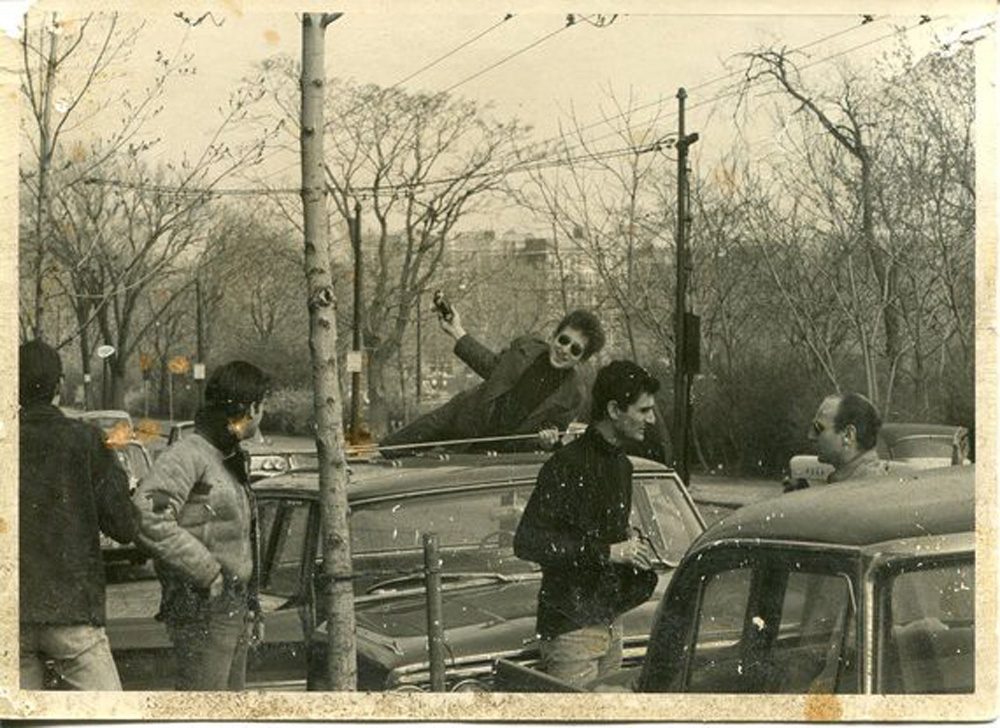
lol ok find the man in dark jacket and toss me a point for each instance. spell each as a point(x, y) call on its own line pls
point(532, 387)
point(576, 527)
point(71, 489)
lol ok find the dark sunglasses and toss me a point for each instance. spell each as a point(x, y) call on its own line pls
point(818, 428)
point(575, 349)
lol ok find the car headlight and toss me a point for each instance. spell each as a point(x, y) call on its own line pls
point(470, 686)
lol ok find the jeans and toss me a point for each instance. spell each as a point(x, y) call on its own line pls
point(583, 655)
point(80, 655)
point(211, 646)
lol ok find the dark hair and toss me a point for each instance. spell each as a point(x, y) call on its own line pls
point(588, 325)
point(39, 371)
point(621, 381)
point(856, 409)
point(235, 386)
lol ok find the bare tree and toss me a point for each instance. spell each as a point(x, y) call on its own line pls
point(69, 69)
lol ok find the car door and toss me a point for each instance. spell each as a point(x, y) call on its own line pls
point(925, 625)
point(744, 618)
point(288, 526)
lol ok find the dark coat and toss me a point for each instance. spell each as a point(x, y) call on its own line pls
point(501, 372)
point(71, 489)
point(579, 508)
point(469, 414)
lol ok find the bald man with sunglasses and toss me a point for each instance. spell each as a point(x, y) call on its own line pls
point(844, 432)
point(531, 387)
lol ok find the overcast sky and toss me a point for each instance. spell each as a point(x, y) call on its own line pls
point(643, 54)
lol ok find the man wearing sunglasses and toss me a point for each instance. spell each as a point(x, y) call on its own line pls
point(531, 387)
point(844, 432)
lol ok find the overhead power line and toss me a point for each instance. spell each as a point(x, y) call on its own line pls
point(410, 77)
point(924, 20)
point(407, 187)
point(530, 165)
point(866, 20)
point(570, 22)
point(453, 51)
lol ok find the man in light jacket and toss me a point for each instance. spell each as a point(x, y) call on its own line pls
point(199, 519)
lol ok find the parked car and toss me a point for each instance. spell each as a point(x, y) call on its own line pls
point(135, 461)
point(109, 420)
point(270, 455)
point(718, 496)
point(907, 446)
point(876, 596)
point(472, 502)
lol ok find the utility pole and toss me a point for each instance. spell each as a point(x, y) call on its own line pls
point(420, 344)
point(199, 367)
point(336, 589)
point(684, 326)
point(356, 342)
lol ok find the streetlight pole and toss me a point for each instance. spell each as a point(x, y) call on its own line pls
point(356, 342)
point(682, 334)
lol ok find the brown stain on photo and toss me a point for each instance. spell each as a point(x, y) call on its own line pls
point(3, 526)
point(271, 37)
point(235, 5)
point(822, 708)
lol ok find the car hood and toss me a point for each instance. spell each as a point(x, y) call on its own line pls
point(480, 621)
point(401, 616)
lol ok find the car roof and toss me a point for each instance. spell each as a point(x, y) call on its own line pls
point(894, 430)
point(859, 513)
point(419, 474)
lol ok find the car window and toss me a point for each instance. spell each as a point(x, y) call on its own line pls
point(928, 629)
point(763, 629)
point(284, 527)
point(922, 446)
point(475, 530)
point(722, 607)
point(814, 647)
point(660, 510)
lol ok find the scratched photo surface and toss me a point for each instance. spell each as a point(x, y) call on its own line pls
point(395, 215)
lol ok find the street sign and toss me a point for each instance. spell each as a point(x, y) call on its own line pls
point(179, 365)
point(86, 378)
point(146, 362)
point(199, 371)
point(353, 361)
point(105, 350)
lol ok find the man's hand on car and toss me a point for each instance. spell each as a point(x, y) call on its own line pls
point(633, 552)
point(454, 327)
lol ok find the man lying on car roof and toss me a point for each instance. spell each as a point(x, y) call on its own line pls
point(532, 386)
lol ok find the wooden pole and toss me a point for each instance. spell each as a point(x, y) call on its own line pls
point(435, 623)
point(338, 591)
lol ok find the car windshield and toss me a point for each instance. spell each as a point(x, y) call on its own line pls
point(475, 529)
